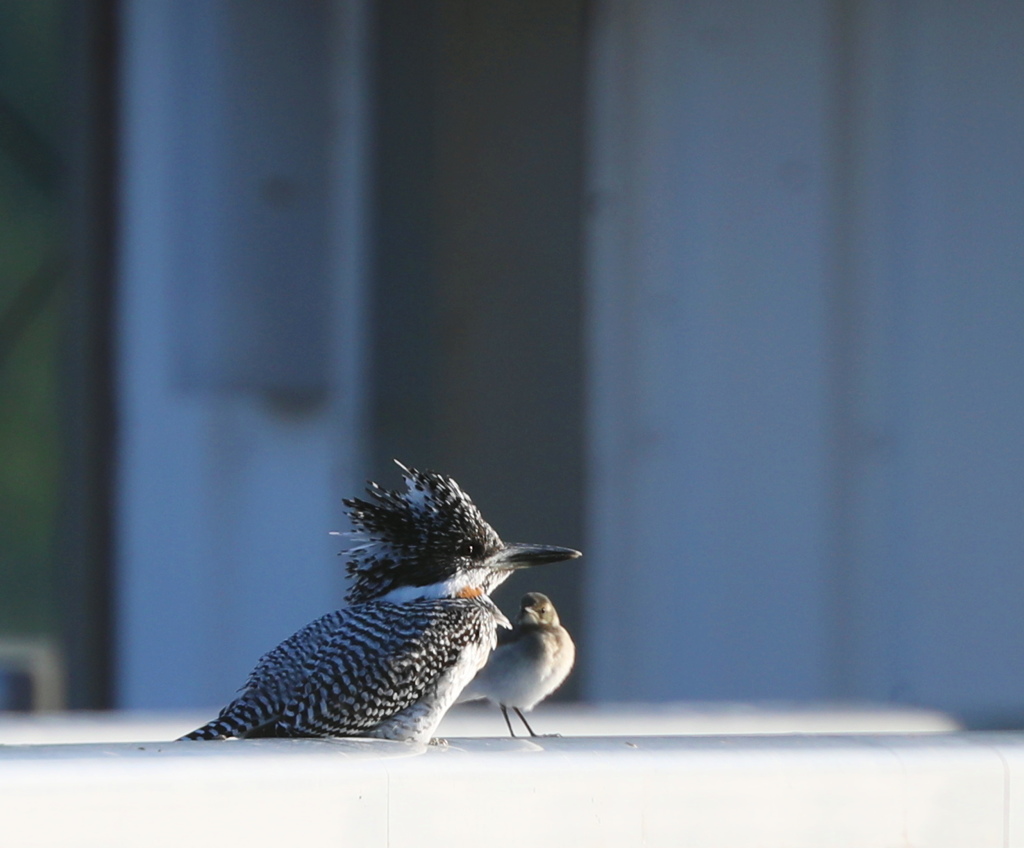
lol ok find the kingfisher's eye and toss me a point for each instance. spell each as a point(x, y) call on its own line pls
point(471, 549)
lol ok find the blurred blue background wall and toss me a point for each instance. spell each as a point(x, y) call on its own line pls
point(729, 295)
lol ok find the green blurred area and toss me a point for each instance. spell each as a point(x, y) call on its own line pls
point(32, 239)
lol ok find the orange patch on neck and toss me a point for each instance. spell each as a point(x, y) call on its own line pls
point(470, 592)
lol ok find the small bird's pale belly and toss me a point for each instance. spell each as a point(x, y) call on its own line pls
point(524, 685)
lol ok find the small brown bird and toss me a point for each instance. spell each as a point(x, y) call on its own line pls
point(530, 662)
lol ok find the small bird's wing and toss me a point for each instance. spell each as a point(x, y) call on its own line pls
point(509, 644)
point(347, 672)
point(509, 637)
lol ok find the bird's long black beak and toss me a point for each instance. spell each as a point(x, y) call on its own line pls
point(524, 556)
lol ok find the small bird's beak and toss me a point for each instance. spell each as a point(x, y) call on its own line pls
point(524, 556)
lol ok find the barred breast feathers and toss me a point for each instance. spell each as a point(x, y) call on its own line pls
point(352, 669)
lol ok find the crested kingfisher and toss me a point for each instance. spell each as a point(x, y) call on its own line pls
point(419, 623)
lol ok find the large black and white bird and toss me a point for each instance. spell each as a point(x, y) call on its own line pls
point(418, 626)
point(530, 662)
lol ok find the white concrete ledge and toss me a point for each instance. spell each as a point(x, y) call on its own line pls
point(673, 719)
point(480, 719)
point(962, 790)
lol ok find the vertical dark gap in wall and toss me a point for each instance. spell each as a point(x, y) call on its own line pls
point(86, 544)
point(403, 338)
point(509, 176)
point(477, 265)
point(842, 332)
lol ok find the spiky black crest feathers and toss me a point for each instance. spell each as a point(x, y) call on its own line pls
point(417, 537)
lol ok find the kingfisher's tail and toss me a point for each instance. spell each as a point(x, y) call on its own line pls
point(236, 721)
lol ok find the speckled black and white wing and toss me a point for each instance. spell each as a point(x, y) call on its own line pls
point(373, 669)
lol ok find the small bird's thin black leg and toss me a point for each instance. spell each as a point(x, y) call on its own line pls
point(505, 713)
point(519, 713)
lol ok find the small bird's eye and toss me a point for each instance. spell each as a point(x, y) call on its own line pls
point(470, 549)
